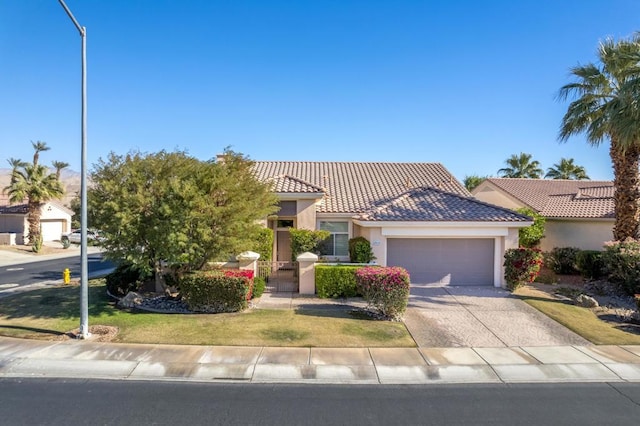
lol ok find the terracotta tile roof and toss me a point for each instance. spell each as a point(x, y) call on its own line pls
point(562, 198)
point(434, 205)
point(290, 184)
point(355, 187)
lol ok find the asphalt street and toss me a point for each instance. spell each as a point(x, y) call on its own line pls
point(79, 402)
point(46, 270)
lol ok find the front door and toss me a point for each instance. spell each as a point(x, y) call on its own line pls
point(284, 246)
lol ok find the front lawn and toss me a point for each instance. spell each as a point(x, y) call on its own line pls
point(52, 312)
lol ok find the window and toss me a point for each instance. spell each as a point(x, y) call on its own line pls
point(338, 243)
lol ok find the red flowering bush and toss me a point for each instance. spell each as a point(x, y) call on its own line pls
point(521, 266)
point(384, 288)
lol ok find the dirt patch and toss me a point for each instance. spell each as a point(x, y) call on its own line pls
point(99, 333)
point(48, 248)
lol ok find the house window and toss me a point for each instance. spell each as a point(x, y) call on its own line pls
point(338, 242)
point(285, 223)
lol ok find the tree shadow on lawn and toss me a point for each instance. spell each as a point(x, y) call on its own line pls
point(56, 303)
point(32, 329)
point(336, 311)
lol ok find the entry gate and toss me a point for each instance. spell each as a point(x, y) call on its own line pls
point(280, 276)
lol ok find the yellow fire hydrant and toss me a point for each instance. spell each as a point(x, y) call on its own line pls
point(66, 276)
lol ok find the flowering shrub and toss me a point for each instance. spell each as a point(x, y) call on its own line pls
point(521, 266)
point(217, 291)
point(384, 288)
point(622, 263)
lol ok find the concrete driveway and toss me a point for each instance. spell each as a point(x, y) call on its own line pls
point(443, 316)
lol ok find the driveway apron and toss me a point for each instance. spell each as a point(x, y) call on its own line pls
point(480, 316)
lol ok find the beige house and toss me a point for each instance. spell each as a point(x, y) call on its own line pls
point(579, 213)
point(14, 226)
point(416, 215)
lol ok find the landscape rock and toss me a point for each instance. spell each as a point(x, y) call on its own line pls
point(586, 301)
point(131, 300)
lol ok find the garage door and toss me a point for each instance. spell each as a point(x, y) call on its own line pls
point(51, 229)
point(444, 260)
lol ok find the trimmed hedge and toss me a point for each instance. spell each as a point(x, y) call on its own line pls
point(259, 284)
point(360, 250)
point(217, 291)
point(333, 281)
point(384, 288)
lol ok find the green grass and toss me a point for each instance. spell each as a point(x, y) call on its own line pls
point(47, 313)
point(583, 322)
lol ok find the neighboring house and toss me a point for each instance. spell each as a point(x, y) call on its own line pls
point(55, 220)
point(416, 215)
point(579, 213)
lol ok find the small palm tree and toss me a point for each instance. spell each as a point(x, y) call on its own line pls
point(35, 183)
point(606, 107)
point(566, 169)
point(521, 166)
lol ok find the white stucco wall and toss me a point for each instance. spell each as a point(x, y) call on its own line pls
point(583, 234)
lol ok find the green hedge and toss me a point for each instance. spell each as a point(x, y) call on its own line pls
point(336, 280)
point(213, 292)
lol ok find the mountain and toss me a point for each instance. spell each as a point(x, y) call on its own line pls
point(70, 179)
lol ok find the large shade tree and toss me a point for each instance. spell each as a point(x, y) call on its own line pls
point(606, 106)
point(36, 184)
point(566, 169)
point(173, 209)
point(521, 166)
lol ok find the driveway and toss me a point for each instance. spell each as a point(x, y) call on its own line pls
point(448, 316)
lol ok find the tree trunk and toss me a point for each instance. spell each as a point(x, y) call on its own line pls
point(626, 191)
point(35, 211)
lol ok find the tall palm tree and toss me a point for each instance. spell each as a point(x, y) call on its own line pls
point(35, 183)
point(59, 166)
point(521, 166)
point(606, 106)
point(566, 169)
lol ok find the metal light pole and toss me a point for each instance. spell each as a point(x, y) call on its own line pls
point(84, 276)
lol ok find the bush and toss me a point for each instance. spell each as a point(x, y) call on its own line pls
point(259, 284)
point(531, 236)
point(521, 266)
point(336, 280)
point(263, 243)
point(590, 264)
point(65, 242)
point(125, 279)
point(216, 291)
point(384, 288)
point(304, 240)
point(562, 260)
point(622, 260)
point(546, 276)
point(360, 250)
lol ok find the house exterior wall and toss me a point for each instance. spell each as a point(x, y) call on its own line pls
point(583, 234)
point(12, 223)
point(489, 195)
point(306, 214)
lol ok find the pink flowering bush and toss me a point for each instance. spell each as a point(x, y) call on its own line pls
point(384, 288)
point(521, 266)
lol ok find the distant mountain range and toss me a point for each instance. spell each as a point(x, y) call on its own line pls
point(70, 180)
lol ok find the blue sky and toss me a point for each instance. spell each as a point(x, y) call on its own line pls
point(464, 83)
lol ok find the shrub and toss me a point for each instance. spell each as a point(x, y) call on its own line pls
point(263, 243)
point(521, 266)
point(384, 288)
point(303, 240)
point(562, 260)
point(590, 264)
point(360, 250)
point(37, 244)
point(259, 284)
point(546, 276)
point(65, 242)
point(622, 260)
point(215, 291)
point(124, 279)
point(336, 280)
point(531, 236)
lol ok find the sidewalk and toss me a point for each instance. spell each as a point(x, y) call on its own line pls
point(86, 359)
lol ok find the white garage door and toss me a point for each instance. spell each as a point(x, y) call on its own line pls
point(51, 229)
point(450, 261)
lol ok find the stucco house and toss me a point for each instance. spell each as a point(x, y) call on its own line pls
point(55, 220)
point(416, 215)
point(579, 213)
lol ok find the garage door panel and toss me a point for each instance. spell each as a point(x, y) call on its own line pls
point(444, 261)
point(51, 229)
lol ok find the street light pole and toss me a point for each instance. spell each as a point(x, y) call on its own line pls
point(84, 276)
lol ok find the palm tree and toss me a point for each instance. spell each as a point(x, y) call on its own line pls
point(35, 183)
point(566, 169)
point(59, 166)
point(521, 166)
point(605, 106)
